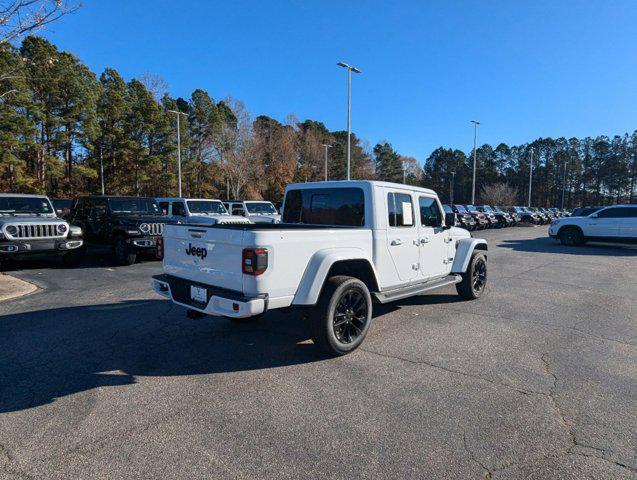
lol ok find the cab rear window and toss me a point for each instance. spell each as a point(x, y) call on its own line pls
point(325, 206)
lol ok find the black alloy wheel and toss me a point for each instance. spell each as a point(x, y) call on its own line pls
point(350, 316)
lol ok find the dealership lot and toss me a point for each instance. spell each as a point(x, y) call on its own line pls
point(101, 378)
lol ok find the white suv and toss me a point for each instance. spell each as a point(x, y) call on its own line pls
point(257, 211)
point(615, 223)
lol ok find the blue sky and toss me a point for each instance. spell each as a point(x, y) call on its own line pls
point(524, 69)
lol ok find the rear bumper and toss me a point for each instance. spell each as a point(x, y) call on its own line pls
point(227, 303)
point(35, 247)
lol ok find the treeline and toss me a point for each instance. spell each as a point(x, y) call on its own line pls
point(589, 171)
point(61, 125)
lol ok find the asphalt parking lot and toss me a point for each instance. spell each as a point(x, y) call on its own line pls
point(101, 378)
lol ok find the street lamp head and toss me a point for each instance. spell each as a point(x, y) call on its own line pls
point(355, 70)
point(475, 121)
point(327, 146)
point(343, 64)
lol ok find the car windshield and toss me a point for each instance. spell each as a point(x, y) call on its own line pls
point(25, 205)
point(139, 206)
point(461, 208)
point(487, 208)
point(498, 209)
point(447, 209)
point(260, 207)
point(206, 207)
point(471, 208)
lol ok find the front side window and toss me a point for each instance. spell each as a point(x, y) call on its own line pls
point(212, 207)
point(400, 210)
point(260, 207)
point(164, 207)
point(139, 206)
point(25, 205)
point(430, 215)
point(179, 209)
point(325, 206)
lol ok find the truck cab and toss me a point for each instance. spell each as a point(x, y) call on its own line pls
point(257, 211)
point(197, 210)
point(340, 247)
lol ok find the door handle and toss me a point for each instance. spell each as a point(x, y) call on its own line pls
point(425, 240)
point(398, 241)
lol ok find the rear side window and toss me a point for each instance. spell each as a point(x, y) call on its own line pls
point(400, 210)
point(325, 206)
point(624, 212)
point(430, 215)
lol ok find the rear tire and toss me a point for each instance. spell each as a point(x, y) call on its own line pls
point(571, 236)
point(474, 280)
point(342, 316)
point(123, 253)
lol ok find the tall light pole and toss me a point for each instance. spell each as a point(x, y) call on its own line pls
point(326, 147)
point(564, 185)
point(453, 180)
point(475, 152)
point(350, 69)
point(530, 176)
point(101, 170)
point(177, 112)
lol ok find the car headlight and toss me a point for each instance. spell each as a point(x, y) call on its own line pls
point(62, 228)
point(144, 228)
point(12, 230)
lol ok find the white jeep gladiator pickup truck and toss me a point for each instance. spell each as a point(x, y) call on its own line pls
point(341, 246)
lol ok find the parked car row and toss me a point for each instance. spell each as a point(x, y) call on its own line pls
point(480, 217)
point(130, 226)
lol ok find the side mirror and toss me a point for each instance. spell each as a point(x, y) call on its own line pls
point(450, 220)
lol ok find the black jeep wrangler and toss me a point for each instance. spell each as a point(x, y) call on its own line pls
point(130, 225)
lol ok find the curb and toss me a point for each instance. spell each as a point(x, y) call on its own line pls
point(11, 287)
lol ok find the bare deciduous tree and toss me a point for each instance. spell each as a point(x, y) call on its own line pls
point(498, 194)
point(155, 84)
point(21, 17)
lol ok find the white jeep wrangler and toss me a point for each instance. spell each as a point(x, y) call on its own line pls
point(341, 246)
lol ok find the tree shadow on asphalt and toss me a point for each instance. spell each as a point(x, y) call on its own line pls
point(548, 245)
point(49, 354)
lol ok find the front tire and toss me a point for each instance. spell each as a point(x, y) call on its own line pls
point(571, 236)
point(123, 253)
point(474, 280)
point(342, 316)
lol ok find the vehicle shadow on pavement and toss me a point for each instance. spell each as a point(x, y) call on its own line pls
point(548, 245)
point(95, 258)
point(49, 354)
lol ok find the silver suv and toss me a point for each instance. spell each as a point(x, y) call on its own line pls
point(30, 226)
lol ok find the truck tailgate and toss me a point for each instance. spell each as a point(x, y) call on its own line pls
point(211, 256)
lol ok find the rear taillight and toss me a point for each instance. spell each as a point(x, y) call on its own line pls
point(254, 261)
point(160, 248)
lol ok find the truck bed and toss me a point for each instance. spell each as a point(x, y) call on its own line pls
point(272, 226)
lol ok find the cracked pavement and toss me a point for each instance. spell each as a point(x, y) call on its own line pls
point(100, 378)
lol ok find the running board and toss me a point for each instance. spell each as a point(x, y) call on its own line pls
point(400, 293)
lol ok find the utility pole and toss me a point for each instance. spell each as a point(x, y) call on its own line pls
point(475, 152)
point(530, 176)
point(350, 69)
point(177, 112)
point(326, 147)
point(563, 186)
point(101, 170)
point(453, 180)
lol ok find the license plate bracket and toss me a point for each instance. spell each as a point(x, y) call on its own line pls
point(198, 294)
